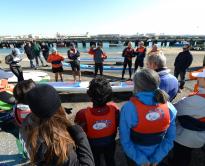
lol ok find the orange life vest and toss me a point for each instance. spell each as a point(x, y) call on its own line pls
point(140, 49)
point(5, 86)
point(153, 122)
point(101, 126)
point(55, 60)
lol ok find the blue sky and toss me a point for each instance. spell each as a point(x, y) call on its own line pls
point(46, 17)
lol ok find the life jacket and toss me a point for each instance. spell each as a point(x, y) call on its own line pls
point(20, 113)
point(140, 49)
point(129, 53)
point(153, 123)
point(74, 55)
point(55, 60)
point(101, 128)
point(5, 86)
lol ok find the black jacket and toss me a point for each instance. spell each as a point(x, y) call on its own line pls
point(28, 52)
point(80, 156)
point(183, 60)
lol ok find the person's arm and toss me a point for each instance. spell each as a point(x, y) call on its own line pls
point(83, 151)
point(91, 51)
point(78, 54)
point(166, 145)
point(176, 59)
point(128, 119)
point(189, 60)
point(123, 52)
point(49, 60)
point(80, 119)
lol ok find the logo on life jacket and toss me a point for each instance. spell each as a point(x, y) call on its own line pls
point(101, 124)
point(155, 114)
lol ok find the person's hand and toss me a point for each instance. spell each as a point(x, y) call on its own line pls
point(155, 164)
point(147, 164)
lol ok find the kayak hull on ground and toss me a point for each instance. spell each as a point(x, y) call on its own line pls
point(82, 87)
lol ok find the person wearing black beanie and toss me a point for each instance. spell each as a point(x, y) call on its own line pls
point(49, 137)
point(43, 100)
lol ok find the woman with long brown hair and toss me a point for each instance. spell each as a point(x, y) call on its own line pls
point(49, 137)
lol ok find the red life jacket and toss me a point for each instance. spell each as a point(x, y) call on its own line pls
point(5, 86)
point(20, 112)
point(140, 49)
point(153, 123)
point(101, 126)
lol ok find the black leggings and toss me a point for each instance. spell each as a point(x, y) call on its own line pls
point(129, 63)
point(100, 67)
point(181, 155)
point(17, 70)
point(182, 77)
point(139, 62)
point(108, 153)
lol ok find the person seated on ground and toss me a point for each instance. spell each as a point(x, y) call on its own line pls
point(21, 109)
point(147, 121)
point(100, 121)
point(190, 132)
point(140, 53)
point(154, 50)
point(56, 60)
point(128, 54)
point(49, 137)
point(74, 55)
point(98, 55)
point(181, 64)
point(13, 60)
point(168, 82)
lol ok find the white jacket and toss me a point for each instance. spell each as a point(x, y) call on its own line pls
point(193, 106)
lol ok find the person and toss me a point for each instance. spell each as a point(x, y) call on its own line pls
point(128, 54)
point(100, 121)
point(190, 126)
point(48, 136)
point(36, 51)
point(140, 55)
point(21, 109)
point(147, 121)
point(168, 82)
point(29, 54)
point(45, 50)
point(99, 55)
point(182, 62)
point(6, 102)
point(56, 60)
point(154, 50)
point(73, 55)
point(13, 60)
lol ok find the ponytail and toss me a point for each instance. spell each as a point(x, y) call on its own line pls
point(161, 96)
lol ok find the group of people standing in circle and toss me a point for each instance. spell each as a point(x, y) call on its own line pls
point(149, 124)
